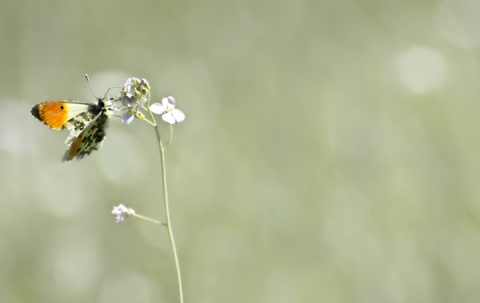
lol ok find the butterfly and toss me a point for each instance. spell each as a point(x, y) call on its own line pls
point(87, 123)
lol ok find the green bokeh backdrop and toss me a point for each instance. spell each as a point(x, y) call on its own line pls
point(330, 152)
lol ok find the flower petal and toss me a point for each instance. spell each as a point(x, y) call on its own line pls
point(169, 103)
point(157, 108)
point(178, 115)
point(119, 212)
point(169, 118)
point(127, 87)
point(126, 101)
point(127, 118)
point(171, 100)
point(140, 103)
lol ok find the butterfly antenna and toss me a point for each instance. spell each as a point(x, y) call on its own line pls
point(90, 86)
point(106, 93)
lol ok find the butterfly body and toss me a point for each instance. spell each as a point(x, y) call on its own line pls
point(86, 122)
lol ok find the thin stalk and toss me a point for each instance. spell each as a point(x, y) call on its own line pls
point(167, 214)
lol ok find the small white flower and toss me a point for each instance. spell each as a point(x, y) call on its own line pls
point(167, 109)
point(132, 111)
point(127, 87)
point(127, 118)
point(121, 211)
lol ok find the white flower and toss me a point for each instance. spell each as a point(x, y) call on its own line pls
point(127, 87)
point(133, 112)
point(127, 118)
point(167, 109)
point(121, 211)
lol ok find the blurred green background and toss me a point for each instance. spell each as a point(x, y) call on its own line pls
point(330, 152)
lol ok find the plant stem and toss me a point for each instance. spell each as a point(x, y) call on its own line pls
point(148, 219)
point(167, 214)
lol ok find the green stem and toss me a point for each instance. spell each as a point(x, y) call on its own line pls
point(147, 219)
point(167, 214)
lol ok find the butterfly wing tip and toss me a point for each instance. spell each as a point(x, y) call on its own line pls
point(36, 112)
point(66, 158)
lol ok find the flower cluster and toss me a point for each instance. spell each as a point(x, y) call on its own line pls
point(134, 100)
point(136, 93)
point(121, 211)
